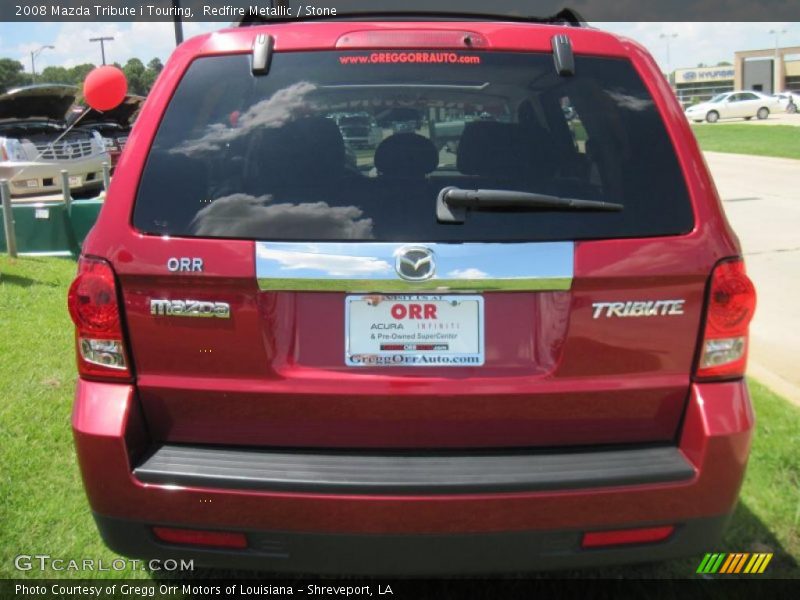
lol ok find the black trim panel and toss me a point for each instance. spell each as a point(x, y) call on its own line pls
point(412, 554)
point(441, 473)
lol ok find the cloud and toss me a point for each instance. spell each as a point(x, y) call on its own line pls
point(702, 42)
point(143, 40)
point(244, 215)
point(628, 101)
point(272, 112)
point(330, 264)
point(470, 273)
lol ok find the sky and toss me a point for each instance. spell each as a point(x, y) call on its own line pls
point(708, 43)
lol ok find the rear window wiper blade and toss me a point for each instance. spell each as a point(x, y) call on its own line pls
point(453, 203)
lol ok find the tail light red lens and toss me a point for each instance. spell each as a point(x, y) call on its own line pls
point(197, 537)
point(731, 305)
point(93, 304)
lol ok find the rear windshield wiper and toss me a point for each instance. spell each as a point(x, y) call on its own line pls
point(453, 203)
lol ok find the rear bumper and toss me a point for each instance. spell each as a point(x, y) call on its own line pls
point(42, 177)
point(426, 554)
point(529, 527)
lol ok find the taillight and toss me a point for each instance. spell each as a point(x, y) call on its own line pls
point(730, 307)
point(94, 307)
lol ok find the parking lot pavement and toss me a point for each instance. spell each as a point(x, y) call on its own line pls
point(761, 197)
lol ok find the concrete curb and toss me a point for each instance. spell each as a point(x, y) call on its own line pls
point(774, 382)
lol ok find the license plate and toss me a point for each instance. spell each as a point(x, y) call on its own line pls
point(75, 181)
point(414, 331)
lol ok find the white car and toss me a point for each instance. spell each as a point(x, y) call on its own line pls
point(733, 105)
point(359, 130)
point(788, 101)
point(35, 143)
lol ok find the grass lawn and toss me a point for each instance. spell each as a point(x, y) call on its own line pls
point(763, 140)
point(43, 509)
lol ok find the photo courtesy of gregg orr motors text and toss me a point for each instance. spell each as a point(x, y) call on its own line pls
point(162, 590)
point(101, 591)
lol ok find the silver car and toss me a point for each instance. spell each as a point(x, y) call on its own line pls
point(732, 105)
point(35, 143)
point(359, 130)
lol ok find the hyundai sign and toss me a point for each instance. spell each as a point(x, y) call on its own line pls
point(704, 74)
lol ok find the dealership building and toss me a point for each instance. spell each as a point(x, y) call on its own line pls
point(751, 70)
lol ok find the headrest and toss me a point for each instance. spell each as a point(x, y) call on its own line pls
point(508, 150)
point(406, 155)
point(304, 149)
point(176, 175)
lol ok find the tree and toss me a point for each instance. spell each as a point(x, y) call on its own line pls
point(79, 72)
point(135, 73)
point(140, 78)
point(12, 75)
point(154, 67)
point(724, 63)
point(54, 75)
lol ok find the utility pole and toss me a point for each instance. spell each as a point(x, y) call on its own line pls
point(102, 41)
point(34, 54)
point(8, 219)
point(776, 66)
point(667, 37)
point(176, 19)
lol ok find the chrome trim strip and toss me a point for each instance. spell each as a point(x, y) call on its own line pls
point(370, 267)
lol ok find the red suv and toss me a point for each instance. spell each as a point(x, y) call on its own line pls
point(510, 336)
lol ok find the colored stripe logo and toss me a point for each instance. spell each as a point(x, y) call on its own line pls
point(733, 563)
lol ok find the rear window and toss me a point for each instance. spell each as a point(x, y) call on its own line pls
point(354, 146)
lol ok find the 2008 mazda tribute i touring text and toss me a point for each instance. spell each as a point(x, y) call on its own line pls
point(511, 335)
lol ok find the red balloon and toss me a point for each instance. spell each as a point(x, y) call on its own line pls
point(105, 88)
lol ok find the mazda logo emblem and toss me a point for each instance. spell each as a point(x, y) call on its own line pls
point(415, 263)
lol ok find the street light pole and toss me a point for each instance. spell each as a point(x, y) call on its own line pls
point(34, 54)
point(667, 37)
point(776, 67)
point(176, 19)
point(102, 41)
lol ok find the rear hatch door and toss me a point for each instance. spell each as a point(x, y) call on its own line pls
point(289, 297)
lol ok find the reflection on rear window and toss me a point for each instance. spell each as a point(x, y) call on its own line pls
point(325, 150)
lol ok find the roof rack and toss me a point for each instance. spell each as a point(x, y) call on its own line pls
point(566, 16)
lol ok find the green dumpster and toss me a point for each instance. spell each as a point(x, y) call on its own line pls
point(46, 228)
